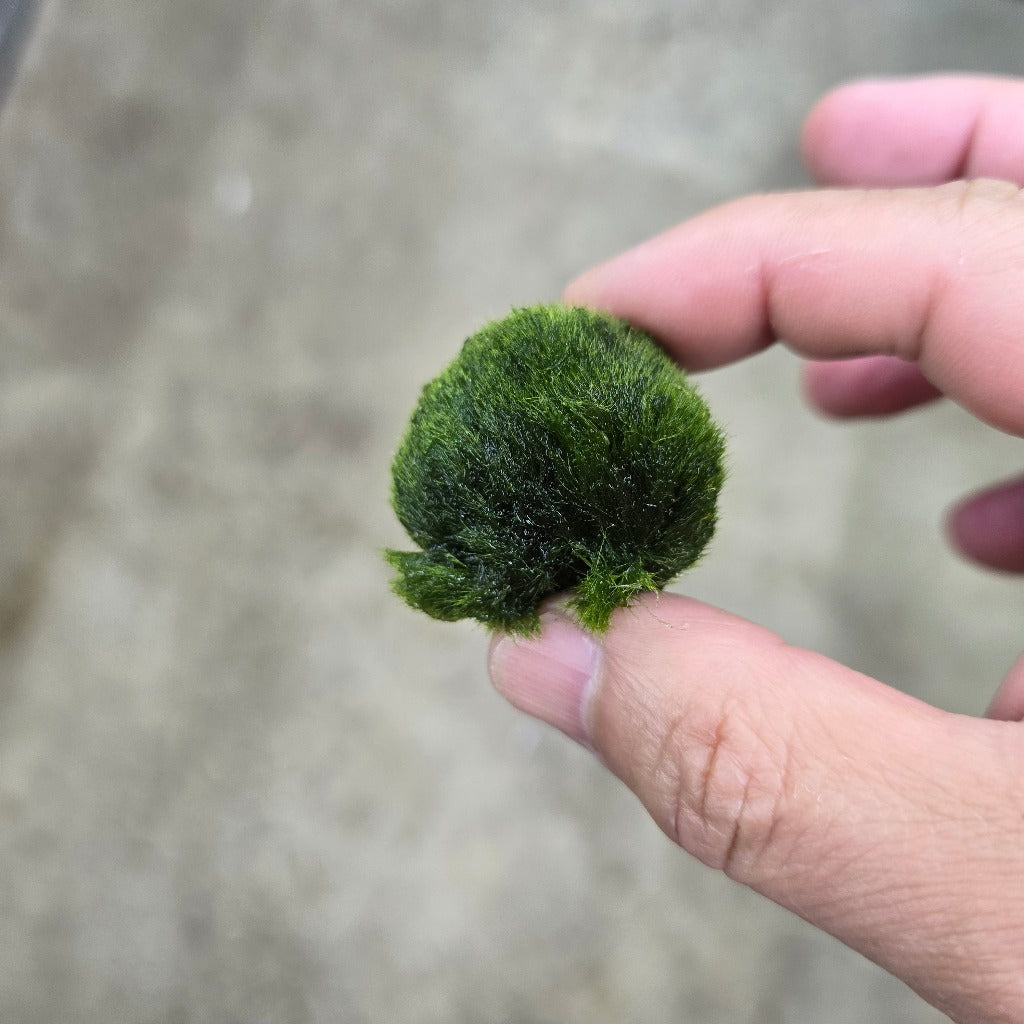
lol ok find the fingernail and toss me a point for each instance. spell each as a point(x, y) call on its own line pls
point(549, 676)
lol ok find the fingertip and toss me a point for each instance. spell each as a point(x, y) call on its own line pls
point(988, 527)
point(584, 289)
point(548, 676)
point(868, 386)
point(1007, 704)
point(818, 130)
point(835, 130)
point(818, 384)
point(893, 132)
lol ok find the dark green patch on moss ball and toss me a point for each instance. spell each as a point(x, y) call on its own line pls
point(560, 450)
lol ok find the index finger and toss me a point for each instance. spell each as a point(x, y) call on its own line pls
point(934, 276)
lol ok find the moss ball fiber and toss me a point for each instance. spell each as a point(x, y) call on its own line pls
point(562, 450)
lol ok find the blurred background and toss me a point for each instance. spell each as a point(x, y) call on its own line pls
point(239, 781)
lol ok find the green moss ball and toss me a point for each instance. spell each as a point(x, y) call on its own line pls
point(561, 450)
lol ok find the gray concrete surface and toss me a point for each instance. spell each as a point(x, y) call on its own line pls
point(239, 781)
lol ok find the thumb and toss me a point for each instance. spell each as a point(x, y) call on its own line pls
point(892, 825)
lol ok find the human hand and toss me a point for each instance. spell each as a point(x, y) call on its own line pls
point(894, 826)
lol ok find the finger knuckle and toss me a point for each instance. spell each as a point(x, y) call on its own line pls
point(728, 784)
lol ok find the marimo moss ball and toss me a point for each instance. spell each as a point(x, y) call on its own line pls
point(562, 450)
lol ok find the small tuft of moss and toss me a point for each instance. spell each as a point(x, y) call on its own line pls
point(561, 450)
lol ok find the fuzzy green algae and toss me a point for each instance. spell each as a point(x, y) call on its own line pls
point(562, 450)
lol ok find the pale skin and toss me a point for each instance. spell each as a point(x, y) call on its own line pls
point(892, 825)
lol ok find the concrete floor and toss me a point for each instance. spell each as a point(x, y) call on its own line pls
point(241, 782)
